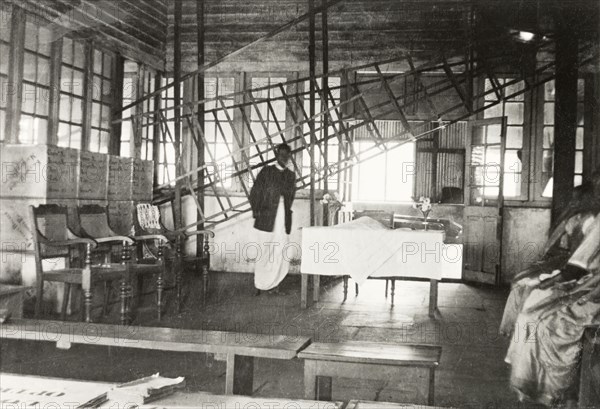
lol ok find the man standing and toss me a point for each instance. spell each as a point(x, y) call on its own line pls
point(271, 200)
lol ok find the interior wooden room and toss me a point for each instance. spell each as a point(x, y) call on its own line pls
point(342, 204)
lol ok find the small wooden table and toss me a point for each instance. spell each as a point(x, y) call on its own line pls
point(240, 348)
point(364, 360)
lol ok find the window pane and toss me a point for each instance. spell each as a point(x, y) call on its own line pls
point(493, 112)
point(29, 67)
point(579, 138)
point(63, 135)
point(494, 133)
point(64, 112)
point(514, 113)
point(549, 113)
point(549, 91)
point(548, 137)
point(79, 54)
point(514, 137)
point(579, 162)
point(511, 89)
point(97, 62)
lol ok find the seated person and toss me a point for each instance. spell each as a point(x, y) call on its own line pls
point(563, 240)
point(544, 354)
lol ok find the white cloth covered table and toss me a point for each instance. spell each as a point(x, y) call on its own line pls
point(365, 248)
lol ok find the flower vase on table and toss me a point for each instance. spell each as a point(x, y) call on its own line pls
point(424, 205)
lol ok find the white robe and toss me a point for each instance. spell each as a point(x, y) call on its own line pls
point(272, 264)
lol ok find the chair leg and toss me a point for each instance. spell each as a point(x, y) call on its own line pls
point(107, 289)
point(204, 284)
point(123, 299)
point(39, 297)
point(159, 295)
point(65, 301)
point(178, 265)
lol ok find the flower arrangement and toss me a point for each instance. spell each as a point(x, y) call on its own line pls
point(424, 205)
point(333, 205)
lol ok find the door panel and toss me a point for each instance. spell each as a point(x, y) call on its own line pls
point(483, 207)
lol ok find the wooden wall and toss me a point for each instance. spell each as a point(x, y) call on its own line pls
point(136, 28)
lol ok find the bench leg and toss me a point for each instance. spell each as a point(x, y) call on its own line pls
point(345, 288)
point(431, 393)
point(240, 375)
point(310, 379)
point(433, 297)
point(323, 388)
point(303, 291)
point(65, 301)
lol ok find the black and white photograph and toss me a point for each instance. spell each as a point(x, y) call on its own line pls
point(300, 204)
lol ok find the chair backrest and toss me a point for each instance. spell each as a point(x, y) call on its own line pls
point(94, 221)
point(147, 216)
point(51, 221)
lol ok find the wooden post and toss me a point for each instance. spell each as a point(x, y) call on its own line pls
point(177, 95)
point(565, 114)
point(311, 69)
point(324, 104)
point(15, 77)
point(200, 91)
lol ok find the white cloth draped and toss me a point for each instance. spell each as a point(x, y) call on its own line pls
point(365, 248)
point(272, 265)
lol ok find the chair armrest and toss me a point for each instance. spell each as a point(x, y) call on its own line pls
point(210, 233)
point(114, 239)
point(71, 242)
point(148, 237)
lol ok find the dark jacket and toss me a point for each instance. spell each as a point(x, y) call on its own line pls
point(270, 184)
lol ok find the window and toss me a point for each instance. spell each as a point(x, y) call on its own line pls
point(130, 93)
point(166, 152)
point(218, 134)
point(514, 110)
point(548, 134)
point(33, 127)
point(273, 120)
point(5, 28)
point(333, 144)
point(384, 179)
point(72, 85)
point(148, 80)
point(102, 99)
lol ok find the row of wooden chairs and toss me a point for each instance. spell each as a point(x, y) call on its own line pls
point(87, 243)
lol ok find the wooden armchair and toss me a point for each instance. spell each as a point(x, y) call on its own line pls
point(147, 221)
point(53, 238)
point(95, 223)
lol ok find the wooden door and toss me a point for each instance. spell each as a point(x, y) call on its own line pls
point(484, 200)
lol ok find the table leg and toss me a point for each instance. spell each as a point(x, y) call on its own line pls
point(239, 375)
point(431, 393)
point(303, 291)
point(387, 282)
point(323, 388)
point(310, 379)
point(393, 293)
point(433, 297)
point(316, 287)
point(356, 289)
point(345, 288)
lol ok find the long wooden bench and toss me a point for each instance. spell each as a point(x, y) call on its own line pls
point(364, 360)
point(361, 404)
point(240, 349)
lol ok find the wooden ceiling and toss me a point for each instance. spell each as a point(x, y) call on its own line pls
point(362, 31)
